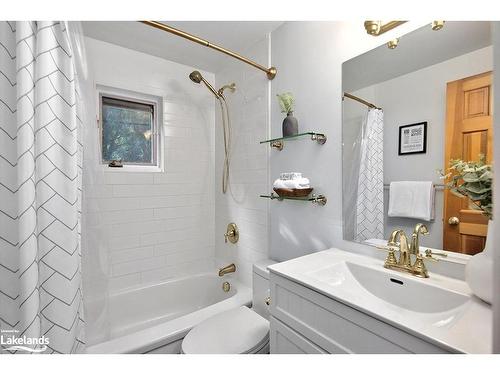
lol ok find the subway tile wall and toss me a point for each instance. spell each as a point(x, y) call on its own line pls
point(156, 225)
point(248, 107)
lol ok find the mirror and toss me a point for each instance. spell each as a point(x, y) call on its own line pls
point(407, 112)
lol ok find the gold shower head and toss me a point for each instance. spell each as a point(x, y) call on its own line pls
point(196, 77)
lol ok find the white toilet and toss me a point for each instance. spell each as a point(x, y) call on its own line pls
point(236, 331)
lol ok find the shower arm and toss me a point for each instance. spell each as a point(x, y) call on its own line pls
point(270, 72)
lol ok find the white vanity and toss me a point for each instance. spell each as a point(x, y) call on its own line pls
point(335, 301)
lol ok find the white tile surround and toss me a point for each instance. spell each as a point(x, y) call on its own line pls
point(155, 226)
point(249, 110)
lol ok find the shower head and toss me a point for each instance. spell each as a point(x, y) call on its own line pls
point(196, 77)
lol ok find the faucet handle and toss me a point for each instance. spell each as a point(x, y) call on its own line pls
point(388, 248)
point(391, 258)
point(419, 268)
point(232, 234)
point(429, 255)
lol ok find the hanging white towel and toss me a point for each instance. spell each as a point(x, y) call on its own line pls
point(413, 199)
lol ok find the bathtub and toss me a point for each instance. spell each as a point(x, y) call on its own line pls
point(155, 318)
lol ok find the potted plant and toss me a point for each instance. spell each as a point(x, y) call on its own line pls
point(290, 123)
point(474, 181)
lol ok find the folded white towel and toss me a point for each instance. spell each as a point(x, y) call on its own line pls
point(413, 199)
point(298, 183)
point(290, 175)
point(279, 184)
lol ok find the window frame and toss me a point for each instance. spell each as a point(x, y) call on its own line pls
point(156, 103)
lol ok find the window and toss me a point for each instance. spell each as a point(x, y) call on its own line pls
point(129, 130)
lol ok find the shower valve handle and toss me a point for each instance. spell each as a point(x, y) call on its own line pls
point(232, 234)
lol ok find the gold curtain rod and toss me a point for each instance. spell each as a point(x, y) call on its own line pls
point(353, 97)
point(270, 72)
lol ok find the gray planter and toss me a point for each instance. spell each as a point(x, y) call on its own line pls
point(290, 125)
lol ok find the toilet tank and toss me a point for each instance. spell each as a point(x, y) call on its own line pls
point(260, 287)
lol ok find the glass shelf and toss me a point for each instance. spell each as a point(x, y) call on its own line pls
point(279, 143)
point(319, 199)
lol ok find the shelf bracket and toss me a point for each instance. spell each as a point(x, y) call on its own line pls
point(319, 199)
point(278, 145)
point(319, 138)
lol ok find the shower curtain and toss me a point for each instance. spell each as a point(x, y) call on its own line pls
point(369, 222)
point(40, 190)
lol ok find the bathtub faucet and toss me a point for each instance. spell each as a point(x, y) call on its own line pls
point(228, 269)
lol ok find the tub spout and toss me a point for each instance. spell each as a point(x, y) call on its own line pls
point(228, 269)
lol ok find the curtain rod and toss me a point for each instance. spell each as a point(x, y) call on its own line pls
point(436, 186)
point(270, 72)
point(353, 97)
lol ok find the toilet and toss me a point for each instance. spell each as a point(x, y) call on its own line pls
point(237, 331)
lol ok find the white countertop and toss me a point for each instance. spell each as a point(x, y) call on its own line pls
point(466, 328)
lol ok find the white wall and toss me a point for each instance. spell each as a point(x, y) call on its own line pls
point(407, 99)
point(241, 204)
point(309, 57)
point(156, 226)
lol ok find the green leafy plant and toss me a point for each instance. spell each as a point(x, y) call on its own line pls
point(286, 101)
point(472, 179)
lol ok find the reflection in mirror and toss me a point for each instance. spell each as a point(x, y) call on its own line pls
point(407, 113)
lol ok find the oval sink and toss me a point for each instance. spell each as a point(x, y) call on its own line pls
point(415, 295)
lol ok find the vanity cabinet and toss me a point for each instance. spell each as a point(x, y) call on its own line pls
point(306, 321)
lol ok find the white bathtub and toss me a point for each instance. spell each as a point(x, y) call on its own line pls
point(155, 318)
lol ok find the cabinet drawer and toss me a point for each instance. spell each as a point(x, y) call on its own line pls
point(336, 327)
point(284, 340)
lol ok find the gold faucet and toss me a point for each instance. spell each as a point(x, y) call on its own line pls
point(406, 250)
point(415, 245)
point(228, 269)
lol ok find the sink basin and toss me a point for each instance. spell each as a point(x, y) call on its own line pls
point(410, 294)
point(439, 308)
point(401, 290)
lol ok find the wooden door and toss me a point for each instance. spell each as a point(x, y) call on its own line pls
point(469, 132)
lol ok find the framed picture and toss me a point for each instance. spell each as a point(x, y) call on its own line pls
point(413, 139)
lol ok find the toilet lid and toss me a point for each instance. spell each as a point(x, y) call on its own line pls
point(235, 331)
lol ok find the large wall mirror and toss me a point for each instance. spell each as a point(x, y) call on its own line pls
point(407, 112)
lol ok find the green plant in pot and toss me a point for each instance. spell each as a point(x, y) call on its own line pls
point(290, 123)
point(474, 180)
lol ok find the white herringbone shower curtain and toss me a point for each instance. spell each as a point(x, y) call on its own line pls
point(370, 199)
point(40, 189)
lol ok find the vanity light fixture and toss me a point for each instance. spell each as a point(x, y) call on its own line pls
point(437, 25)
point(377, 28)
point(392, 44)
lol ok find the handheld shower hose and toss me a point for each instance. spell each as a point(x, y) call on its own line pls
point(196, 77)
